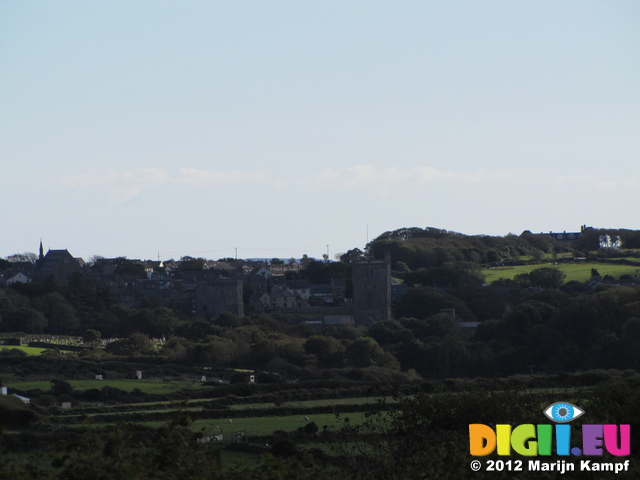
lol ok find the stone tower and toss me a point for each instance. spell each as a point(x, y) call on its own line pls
point(371, 291)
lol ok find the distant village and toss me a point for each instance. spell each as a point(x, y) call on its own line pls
point(208, 288)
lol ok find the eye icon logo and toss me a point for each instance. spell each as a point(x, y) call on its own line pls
point(563, 412)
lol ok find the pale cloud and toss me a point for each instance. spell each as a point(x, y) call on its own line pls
point(574, 178)
point(124, 186)
point(632, 181)
point(384, 179)
point(471, 176)
point(203, 178)
point(119, 186)
point(597, 182)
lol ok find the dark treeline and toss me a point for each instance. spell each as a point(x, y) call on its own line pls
point(521, 329)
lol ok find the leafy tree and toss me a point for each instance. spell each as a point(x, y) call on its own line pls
point(423, 302)
point(526, 315)
point(91, 336)
point(311, 428)
point(16, 415)
point(321, 272)
point(189, 264)
point(136, 344)
point(262, 353)
point(389, 332)
point(352, 256)
point(329, 351)
point(26, 257)
point(124, 266)
point(443, 277)
point(284, 447)
point(228, 319)
point(291, 350)
point(364, 352)
point(452, 358)
point(176, 348)
point(157, 323)
point(523, 280)
point(216, 351)
point(556, 298)
point(196, 330)
point(61, 316)
point(140, 343)
point(60, 387)
point(24, 319)
point(414, 354)
point(546, 277)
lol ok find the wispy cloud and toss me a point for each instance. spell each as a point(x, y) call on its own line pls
point(599, 182)
point(203, 178)
point(124, 186)
point(384, 179)
point(120, 186)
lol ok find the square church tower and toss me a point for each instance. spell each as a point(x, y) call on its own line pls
point(371, 291)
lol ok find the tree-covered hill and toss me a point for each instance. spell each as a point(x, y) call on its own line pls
point(416, 248)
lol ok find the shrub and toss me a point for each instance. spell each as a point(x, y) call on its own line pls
point(310, 428)
point(12, 352)
point(15, 414)
point(283, 447)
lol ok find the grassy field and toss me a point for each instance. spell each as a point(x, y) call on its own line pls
point(580, 272)
point(268, 425)
point(30, 350)
point(195, 407)
point(254, 426)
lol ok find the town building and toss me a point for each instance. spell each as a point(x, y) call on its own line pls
point(371, 291)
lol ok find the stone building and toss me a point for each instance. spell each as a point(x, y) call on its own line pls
point(215, 296)
point(56, 264)
point(371, 291)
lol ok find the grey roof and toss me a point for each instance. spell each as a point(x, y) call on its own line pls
point(52, 260)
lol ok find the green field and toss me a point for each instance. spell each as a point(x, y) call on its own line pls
point(268, 425)
point(31, 350)
point(253, 425)
point(580, 272)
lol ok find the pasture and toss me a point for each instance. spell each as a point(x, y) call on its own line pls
point(580, 272)
point(261, 426)
point(31, 350)
point(254, 426)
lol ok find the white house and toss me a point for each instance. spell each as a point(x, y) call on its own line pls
point(18, 278)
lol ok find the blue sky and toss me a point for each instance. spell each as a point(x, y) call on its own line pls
point(278, 128)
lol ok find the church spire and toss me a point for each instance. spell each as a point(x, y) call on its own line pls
point(41, 251)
